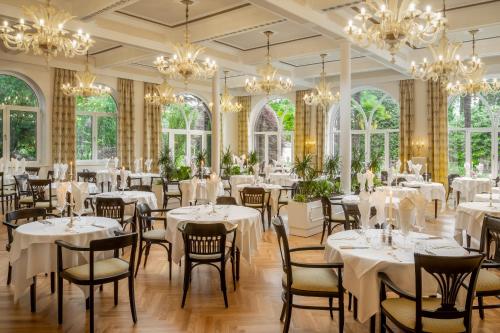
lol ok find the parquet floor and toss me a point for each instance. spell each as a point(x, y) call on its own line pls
point(254, 307)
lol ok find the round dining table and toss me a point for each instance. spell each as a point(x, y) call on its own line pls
point(132, 196)
point(33, 250)
point(431, 191)
point(364, 256)
point(248, 233)
point(202, 190)
point(470, 217)
point(235, 180)
point(465, 188)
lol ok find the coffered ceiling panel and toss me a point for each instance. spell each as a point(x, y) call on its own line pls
point(316, 59)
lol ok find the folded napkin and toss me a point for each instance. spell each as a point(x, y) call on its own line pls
point(410, 164)
point(398, 166)
point(194, 185)
point(420, 204)
point(23, 166)
point(378, 200)
point(113, 178)
point(116, 160)
point(63, 168)
point(80, 192)
point(106, 163)
point(267, 170)
point(416, 169)
point(364, 209)
point(123, 178)
point(213, 188)
point(369, 179)
point(61, 191)
point(362, 181)
point(405, 209)
point(57, 167)
point(467, 169)
point(137, 165)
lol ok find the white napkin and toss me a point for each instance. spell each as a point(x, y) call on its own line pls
point(267, 170)
point(362, 181)
point(123, 178)
point(23, 165)
point(416, 169)
point(137, 165)
point(61, 191)
point(114, 178)
point(194, 185)
point(15, 165)
point(116, 160)
point(480, 168)
point(364, 209)
point(390, 175)
point(2, 163)
point(420, 204)
point(405, 208)
point(57, 168)
point(148, 163)
point(378, 200)
point(106, 163)
point(410, 165)
point(63, 168)
point(467, 169)
point(369, 178)
point(213, 188)
point(398, 166)
point(79, 192)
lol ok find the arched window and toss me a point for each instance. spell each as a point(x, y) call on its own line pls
point(273, 131)
point(19, 119)
point(187, 125)
point(374, 127)
point(473, 132)
point(96, 127)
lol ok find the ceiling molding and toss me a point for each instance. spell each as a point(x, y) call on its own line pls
point(106, 50)
point(111, 7)
point(213, 38)
point(348, 4)
point(317, 63)
point(271, 44)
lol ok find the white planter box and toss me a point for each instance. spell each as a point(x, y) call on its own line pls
point(305, 218)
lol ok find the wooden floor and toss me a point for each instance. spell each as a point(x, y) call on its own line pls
point(254, 307)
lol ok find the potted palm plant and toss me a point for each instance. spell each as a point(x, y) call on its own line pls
point(226, 162)
point(252, 161)
point(200, 161)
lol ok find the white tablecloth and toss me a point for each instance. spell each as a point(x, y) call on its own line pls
point(469, 187)
point(430, 191)
point(361, 266)
point(9, 179)
point(201, 190)
point(248, 234)
point(410, 177)
point(34, 252)
point(283, 179)
point(274, 191)
point(92, 187)
point(239, 179)
point(130, 196)
point(104, 176)
point(485, 197)
point(470, 218)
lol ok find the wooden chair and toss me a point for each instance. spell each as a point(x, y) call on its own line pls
point(353, 215)
point(169, 194)
point(131, 181)
point(23, 197)
point(205, 244)
point(451, 177)
point(415, 313)
point(427, 176)
point(286, 194)
point(384, 176)
point(308, 280)
point(41, 191)
point(398, 181)
point(114, 208)
point(226, 183)
point(33, 171)
point(149, 236)
point(98, 272)
point(488, 281)
point(50, 175)
point(86, 176)
point(226, 201)
point(141, 188)
point(7, 194)
point(256, 197)
point(328, 220)
point(12, 221)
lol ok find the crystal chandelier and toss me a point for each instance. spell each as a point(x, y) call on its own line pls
point(226, 100)
point(269, 83)
point(447, 65)
point(323, 95)
point(184, 63)
point(85, 85)
point(475, 84)
point(46, 35)
point(164, 95)
point(391, 24)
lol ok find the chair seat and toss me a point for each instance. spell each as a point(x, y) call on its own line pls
point(26, 200)
point(404, 311)
point(251, 205)
point(171, 194)
point(284, 201)
point(488, 281)
point(102, 269)
point(209, 256)
point(157, 234)
point(46, 204)
point(313, 279)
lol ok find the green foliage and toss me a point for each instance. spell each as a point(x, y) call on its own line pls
point(323, 188)
point(303, 168)
point(23, 134)
point(14, 91)
point(252, 160)
point(356, 167)
point(235, 170)
point(376, 160)
point(226, 161)
point(166, 164)
point(285, 110)
point(331, 166)
point(183, 173)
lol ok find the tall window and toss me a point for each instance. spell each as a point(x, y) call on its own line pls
point(187, 129)
point(19, 118)
point(473, 132)
point(273, 131)
point(96, 127)
point(374, 127)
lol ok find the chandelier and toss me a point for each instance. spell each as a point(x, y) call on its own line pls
point(475, 84)
point(446, 66)
point(323, 95)
point(164, 95)
point(391, 24)
point(184, 63)
point(269, 83)
point(85, 84)
point(46, 35)
point(226, 100)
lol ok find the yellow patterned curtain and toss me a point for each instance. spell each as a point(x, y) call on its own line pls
point(126, 122)
point(437, 127)
point(63, 119)
point(152, 128)
point(407, 116)
point(243, 119)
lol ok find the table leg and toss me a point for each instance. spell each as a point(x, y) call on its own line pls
point(458, 198)
point(33, 295)
point(372, 323)
point(435, 208)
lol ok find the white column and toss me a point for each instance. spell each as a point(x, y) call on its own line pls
point(345, 115)
point(216, 123)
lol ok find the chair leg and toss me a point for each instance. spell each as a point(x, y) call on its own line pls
point(52, 282)
point(283, 309)
point(349, 304)
point(139, 259)
point(263, 222)
point(288, 315)
point(223, 282)
point(238, 257)
point(187, 279)
point(269, 217)
point(373, 322)
point(480, 307)
point(115, 292)
point(169, 254)
point(91, 308)
point(233, 270)
point(341, 312)
point(382, 322)
point(148, 246)
point(9, 274)
point(131, 296)
point(330, 304)
point(59, 299)
point(355, 306)
point(33, 295)
point(323, 233)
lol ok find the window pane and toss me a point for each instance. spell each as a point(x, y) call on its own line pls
point(272, 148)
point(180, 150)
point(197, 113)
point(267, 121)
point(260, 146)
point(83, 137)
point(165, 139)
point(285, 110)
point(479, 112)
point(286, 146)
point(14, 91)
point(105, 103)
point(377, 147)
point(456, 152)
point(23, 135)
point(358, 146)
point(481, 150)
point(336, 143)
point(196, 145)
point(106, 137)
point(209, 150)
point(173, 117)
point(393, 147)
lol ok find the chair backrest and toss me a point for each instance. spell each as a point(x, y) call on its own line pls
point(134, 180)
point(490, 236)
point(352, 215)
point(33, 171)
point(142, 188)
point(451, 177)
point(384, 175)
point(87, 176)
point(427, 175)
point(226, 200)
point(398, 181)
point(143, 212)
point(113, 208)
point(21, 184)
point(450, 274)
point(13, 219)
point(204, 239)
point(166, 183)
point(50, 175)
point(327, 207)
point(1, 182)
point(284, 249)
point(39, 188)
point(253, 196)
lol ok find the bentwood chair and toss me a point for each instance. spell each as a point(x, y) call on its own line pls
point(286, 194)
point(321, 280)
point(205, 244)
point(33, 171)
point(149, 236)
point(7, 194)
point(226, 200)
point(141, 188)
point(98, 272)
point(50, 175)
point(114, 208)
point(12, 221)
point(256, 197)
point(353, 215)
point(398, 181)
point(329, 221)
point(416, 313)
point(169, 194)
point(87, 176)
point(41, 191)
point(488, 281)
point(23, 199)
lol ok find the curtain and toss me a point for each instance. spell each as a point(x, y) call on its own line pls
point(309, 130)
point(243, 118)
point(126, 122)
point(437, 129)
point(152, 128)
point(407, 123)
point(63, 119)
